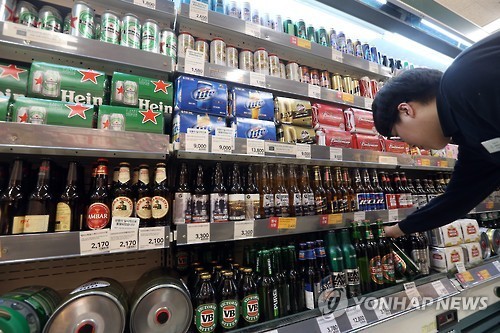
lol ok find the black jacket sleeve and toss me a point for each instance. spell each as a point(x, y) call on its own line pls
point(474, 178)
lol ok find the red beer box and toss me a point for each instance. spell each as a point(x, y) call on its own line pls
point(393, 146)
point(323, 114)
point(333, 137)
point(359, 121)
point(366, 142)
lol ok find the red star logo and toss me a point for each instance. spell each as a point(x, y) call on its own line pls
point(78, 109)
point(73, 21)
point(39, 80)
point(23, 118)
point(89, 75)
point(106, 124)
point(10, 17)
point(149, 115)
point(11, 70)
point(161, 85)
point(120, 90)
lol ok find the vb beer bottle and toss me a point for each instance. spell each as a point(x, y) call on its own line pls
point(249, 297)
point(205, 307)
point(229, 305)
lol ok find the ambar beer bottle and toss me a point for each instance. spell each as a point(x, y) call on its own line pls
point(307, 193)
point(229, 305)
point(69, 208)
point(266, 194)
point(98, 213)
point(143, 197)
point(247, 289)
point(123, 202)
point(205, 306)
point(319, 192)
point(13, 202)
point(330, 191)
point(162, 198)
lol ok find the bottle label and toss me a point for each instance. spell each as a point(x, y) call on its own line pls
point(18, 225)
point(309, 296)
point(250, 304)
point(143, 208)
point(63, 217)
point(308, 203)
point(36, 223)
point(320, 204)
point(160, 175)
point(268, 204)
point(388, 268)
point(281, 203)
point(376, 272)
point(219, 207)
point(144, 176)
point(430, 197)
point(182, 208)
point(422, 200)
point(205, 318)
point(276, 305)
point(122, 207)
point(352, 275)
point(297, 199)
point(229, 312)
point(199, 208)
point(399, 264)
point(418, 257)
point(124, 175)
point(97, 216)
point(252, 203)
point(236, 207)
point(338, 280)
point(159, 207)
point(416, 203)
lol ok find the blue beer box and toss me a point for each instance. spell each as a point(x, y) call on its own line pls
point(200, 95)
point(253, 104)
point(254, 129)
point(187, 119)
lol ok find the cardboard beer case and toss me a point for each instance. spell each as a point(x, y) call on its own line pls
point(448, 235)
point(199, 95)
point(366, 142)
point(295, 134)
point(444, 259)
point(119, 118)
point(4, 107)
point(183, 120)
point(327, 115)
point(359, 121)
point(472, 253)
point(249, 103)
point(470, 230)
point(292, 111)
point(333, 137)
point(254, 128)
point(13, 80)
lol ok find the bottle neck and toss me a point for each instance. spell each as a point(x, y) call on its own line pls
point(44, 174)
point(124, 174)
point(72, 174)
point(160, 175)
point(16, 174)
point(144, 175)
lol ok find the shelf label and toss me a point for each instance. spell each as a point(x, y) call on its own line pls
point(440, 288)
point(412, 291)
point(497, 265)
point(335, 154)
point(197, 140)
point(198, 11)
point(460, 267)
point(280, 148)
point(382, 310)
point(372, 67)
point(442, 164)
point(334, 218)
point(314, 91)
point(252, 29)
point(303, 151)
point(222, 144)
point(273, 223)
point(368, 103)
point(484, 274)
point(388, 160)
point(328, 324)
point(287, 223)
point(489, 205)
point(359, 216)
point(337, 55)
point(36, 35)
point(465, 277)
point(356, 317)
point(151, 238)
point(258, 79)
point(243, 230)
point(393, 215)
point(146, 3)
point(123, 240)
point(256, 147)
point(348, 98)
point(323, 220)
point(300, 42)
point(198, 233)
point(94, 242)
point(125, 223)
point(194, 63)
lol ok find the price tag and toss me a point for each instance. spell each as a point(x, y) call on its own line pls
point(489, 205)
point(287, 223)
point(337, 55)
point(388, 160)
point(393, 215)
point(460, 267)
point(280, 148)
point(197, 140)
point(426, 162)
point(222, 144)
point(314, 91)
point(484, 274)
point(443, 164)
point(194, 62)
point(348, 98)
point(334, 218)
point(373, 67)
point(304, 43)
point(151, 238)
point(328, 324)
point(252, 29)
point(273, 331)
point(382, 311)
point(198, 11)
point(368, 103)
point(198, 233)
point(359, 216)
point(146, 3)
point(497, 265)
point(465, 277)
point(36, 35)
point(356, 317)
point(335, 154)
point(256, 147)
point(94, 242)
point(125, 223)
point(303, 151)
point(243, 230)
point(411, 291)
point(273, 223)
point(257, 79)
point(123, 240)
point(440, 288)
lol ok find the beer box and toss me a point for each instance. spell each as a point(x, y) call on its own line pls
point(444, 259)
point(359, 121)
point(323, 114)
point(187, 119)
point(470, 230)
point(254, 129)
point(13, 80)
point(448, 235)
point(4, 107)
point(393, 146)
point(42, 111)
point(119, 118)
point(333, 137)
point(292, 111)
point(366, 142)
point(202, 96)
point(68, 84)
point(472, 253)
point(296, 134)
point(252, 104)
point(141, 92)
point(451, 151)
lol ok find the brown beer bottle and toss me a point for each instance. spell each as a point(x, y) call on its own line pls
point(236, 198)
point(161, 202)
point(116, 175)
point(281, 199)
point(399, 191)
point(252, 196)
point(218, 197)
point(143, 197)
point(307, 193)
point(404, 184)
point(182, 199)
point(342, 191)
point(294, 195)
point(360, 191)
point(319, 192)
point(205, 306)
point(135, 180)
point(69, 208)
point(199, 199)
point(123, 200)
point(13, 202)
point(229, 305)
point(351, 196)
point(266, 194)
point(331, 193)
point(98, 213)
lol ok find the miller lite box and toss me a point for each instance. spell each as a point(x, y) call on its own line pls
point(470, 230)
point(13, 80)
point(366, 142)
point(42, 111)
point(254, 129)
point(4, 107)
point(295, 134)
point(252, 104)
point(444, 259)
point(448, 235)
point(394, 146)
point(292, 111)
point(333, 137)
point(141, 92)
point(186, 119)
point(323, 114)
point(359, 121)
point(68, 84)
point(199, 95)
point(472, 253)
point(119, 118)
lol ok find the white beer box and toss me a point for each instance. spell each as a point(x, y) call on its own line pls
point(472, 253)
point(444, 259)
point(448, 235)
point(470, 230)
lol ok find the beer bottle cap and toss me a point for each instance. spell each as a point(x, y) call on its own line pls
point(247, 270)
point(206, 276)
point(228, 274)
point(161, 165)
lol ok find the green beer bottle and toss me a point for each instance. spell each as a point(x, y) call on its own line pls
point(280, 279)
point(362, 257)
point(335, 260)
point(268, 293)
point(374, 262)
point(350, 264)
point(295, 282)
point(386, 258)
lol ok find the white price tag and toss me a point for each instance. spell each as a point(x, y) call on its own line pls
point(412, 291)
point(194, 63)
point(146, 3)
point(382, 310)
point(123, 240)
point(356, 317)
point(393, 215)
point(337, 55)
point(94, 241)
point(440, 288)
point(273, 331)
point(460, 267)
point(368, 103)
point(151, 238)
point(314, 91)
point(359, 216)
point(497, 265)
point(252, 29)
point(243, 229)
point(335, 154)
point(256, 147)
point(372, 67)
point(257, 79)
point(125, 223)
point(197, 140)
point(225, 131)
point(328, 324)
point(198, 11)
point(222, 144)
point(36, 35)
point(303, 151)
point(388, 160)
point(280, 148)
point(198, 233)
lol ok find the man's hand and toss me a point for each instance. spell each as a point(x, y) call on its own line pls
point(393, 231)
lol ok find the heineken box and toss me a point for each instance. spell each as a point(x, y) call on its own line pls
point(141, 92)
point(13, 80)
point(254, 129)
point(68, 84)
point(202, 96)
point(187, 119)
point(42, 111)
point(119, 118)
point(4, 107)
point(251, 103)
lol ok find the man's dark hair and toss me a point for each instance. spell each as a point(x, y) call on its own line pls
point(414, 85)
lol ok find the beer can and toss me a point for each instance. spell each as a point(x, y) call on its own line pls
point(265, 20)
point(293, 71)
point(398, 64)
point(347, 84)
point(150, 36)
point(7, 8)
point(131, 31)
point(218, 6)
point(322, 37)
point(341, 42)
point(233, 9)
point(246, 11)
point(231, 56)
point(274, 65)
point(374, 87)
point(485, 243)
point(130, 93)
point(83, 17)
point(366, 51)
point(355, 87)
point(305, 75)
point(110, 27)
point(314, 77)
point(289, 27)
point(282, 70)
point(278, 23)
point(375, 54)
point(99, 305)
point(358, 49)
point(311, 33)
point(51, 84)
point(255, 16)
point(105, 122)
point(26, 14)
point(300, 28)
point(118, 96)
point(349, 47)
point(246, 60)
point(218, 52)
point(67, 24)
point(261, 61)
point(185, 41)
point(365, 88)
point(97, 27)
point(160, 303)
point(494, 239)
point(201, 45)
point(324, 79)
point(50, 19)
point(337, 82)
point(168, 43)
point(37, 115)
point(333, 39)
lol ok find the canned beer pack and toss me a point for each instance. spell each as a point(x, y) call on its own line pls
point(4, 107)
point(393, 146)
point(470, 230)
point(68, 84)
point(252, 104)
point(141, 92)
point(359, 121)
point(323, 114)
point(42, 111)
point(333, 137)
point(296, 134)
point(448, 235)
point(366, 142)
point(200, 95)
point(444, 259)
point(119, 118)
point(13, 80)
point(254, 129)
point(187, 119)
point(293, 111)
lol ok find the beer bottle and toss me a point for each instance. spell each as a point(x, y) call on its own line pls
point(390, 196)
point(419, 253)
point(135, 180)
point(248, 294)
point(378, 191)
point(307, 193)
point(403, 265)
point(93, 176)
point(199, 200)
point(40, 215)
point(342, 191)
point(312, 278)
point(400, 191)
point(116, 174)
point(205, 307)
point(143, 197)
point(294, 193)
point(98, 212)
point(123, 204)
point(302, 259)
point(162, 199)
point(336, 261)
point(295, 282)
point(370, 192)
point(182, 198)
point(374, 261)
point(330, 192)
point(404, 185)
point(194, 278)
point(280, 281)
point(252, 197)
point(229, 305)
point(69, 208)
point(362, 258)
point(218, 197)
point(424, 246)
point(266, 194)
point(386, 258)
point(281, 198)
point(13, 202)
point(4, 175)
point(413, 193)
point(268, 292)
point(319, 192)
point(236, 199)
point(350, 264)
point(360, 191)
point(326, 284)
point(421, 195)
point(258, 267)
point(351, 197)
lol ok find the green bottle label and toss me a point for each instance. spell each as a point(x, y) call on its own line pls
point(376, 270)
point(205, 318)
point(250, 308)
point(388, 268)
point(276, 309)
point(229, 312)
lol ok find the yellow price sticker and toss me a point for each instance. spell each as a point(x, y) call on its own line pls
point(348, 98)
point(467, 276)
point(443, 164)
point(287, 223)
point(484, 274)
point(335, 219)
point(426, 162)
point(304, 43)
point(490, 204)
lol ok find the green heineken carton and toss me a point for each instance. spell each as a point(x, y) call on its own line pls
point(4, 107)
point(118, 118)
point(141, 92)
point(42, 111)
point(68, 84)
point(13, 80)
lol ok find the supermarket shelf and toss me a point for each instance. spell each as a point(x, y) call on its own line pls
point(18, 138)
point(250, 36)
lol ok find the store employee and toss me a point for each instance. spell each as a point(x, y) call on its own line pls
point(427, 108)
